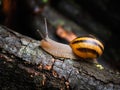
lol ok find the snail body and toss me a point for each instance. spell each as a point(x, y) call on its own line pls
point(57, 49)
point(81, 47)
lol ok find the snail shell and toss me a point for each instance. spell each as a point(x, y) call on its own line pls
point(87, 47)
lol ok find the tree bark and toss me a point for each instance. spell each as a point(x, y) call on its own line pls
point(24, 55)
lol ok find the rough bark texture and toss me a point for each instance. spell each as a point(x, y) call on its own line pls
point(24, 53)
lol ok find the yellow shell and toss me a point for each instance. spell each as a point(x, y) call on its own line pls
point(87, 47)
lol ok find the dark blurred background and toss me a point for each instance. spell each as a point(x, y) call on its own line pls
point(98, 17)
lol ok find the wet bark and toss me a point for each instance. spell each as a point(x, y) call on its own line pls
point(22, 56)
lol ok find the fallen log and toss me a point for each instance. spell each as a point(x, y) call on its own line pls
point(65, 73)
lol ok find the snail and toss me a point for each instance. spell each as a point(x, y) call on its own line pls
point(82, 47)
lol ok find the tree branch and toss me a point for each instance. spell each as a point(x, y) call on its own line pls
point(77, 74)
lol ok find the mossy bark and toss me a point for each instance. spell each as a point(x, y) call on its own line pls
point(22, 56)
